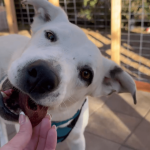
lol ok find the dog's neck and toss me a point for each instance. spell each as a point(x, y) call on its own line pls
point(65, 112)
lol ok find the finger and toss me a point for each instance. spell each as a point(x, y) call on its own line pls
point(23, 136)
point(51, 140)
point(35, 136)
point(45, 127)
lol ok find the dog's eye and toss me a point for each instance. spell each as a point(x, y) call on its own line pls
point(51, 36)
point(86, 75)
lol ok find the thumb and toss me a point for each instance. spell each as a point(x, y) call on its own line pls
point(22, 138)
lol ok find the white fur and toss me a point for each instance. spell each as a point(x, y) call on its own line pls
point(72, 49)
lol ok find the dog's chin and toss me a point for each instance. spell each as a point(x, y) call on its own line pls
point(13, 101)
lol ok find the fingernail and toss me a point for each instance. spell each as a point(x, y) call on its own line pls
point(54, 127)
point(49, 116)
point(22, 118)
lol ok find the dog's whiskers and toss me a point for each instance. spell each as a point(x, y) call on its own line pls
point(67, 102)
point(61, 105)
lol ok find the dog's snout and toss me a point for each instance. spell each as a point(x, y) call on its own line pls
point(32, 72)
point(40, 78)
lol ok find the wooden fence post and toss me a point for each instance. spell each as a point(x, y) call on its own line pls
point(11, 16)
point(115, 30)
point(54, 2)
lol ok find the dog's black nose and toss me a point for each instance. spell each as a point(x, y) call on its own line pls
point(40, 78)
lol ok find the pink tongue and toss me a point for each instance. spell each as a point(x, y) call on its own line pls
point(35, 115)
point(8, 92)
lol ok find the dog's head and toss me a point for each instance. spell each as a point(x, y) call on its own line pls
point(60, 64)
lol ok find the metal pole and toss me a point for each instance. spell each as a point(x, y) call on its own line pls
point(115, 30)
point(11, 16)
point(54, 2)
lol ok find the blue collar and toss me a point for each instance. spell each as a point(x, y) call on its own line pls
point(63, 132)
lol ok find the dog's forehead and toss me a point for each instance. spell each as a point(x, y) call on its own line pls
point(66, 32)
point(72, 39)
point(72, 44)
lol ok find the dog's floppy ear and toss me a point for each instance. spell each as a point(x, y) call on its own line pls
point(44, 12)
point(117, 80)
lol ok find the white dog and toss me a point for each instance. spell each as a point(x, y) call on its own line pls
point(57, 68)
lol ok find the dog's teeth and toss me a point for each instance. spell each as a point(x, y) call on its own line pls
point(4, 95)
point(13, 112)
point(16, 112)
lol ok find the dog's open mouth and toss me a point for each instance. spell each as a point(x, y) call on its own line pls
point(13, 101)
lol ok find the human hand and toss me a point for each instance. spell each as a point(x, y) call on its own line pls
point(42, 137)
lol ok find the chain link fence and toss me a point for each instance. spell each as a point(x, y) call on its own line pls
point(94, 17)
point(24, 15)
point(135, 39)
point(88, 14)
point(93, 14)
